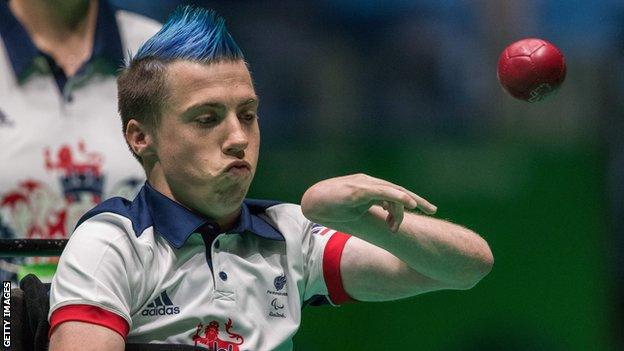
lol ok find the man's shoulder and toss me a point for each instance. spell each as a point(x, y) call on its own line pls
point(120, 212)
point(262, 206)
point(287, 218)
point(274, 209)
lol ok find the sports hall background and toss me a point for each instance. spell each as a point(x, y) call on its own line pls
point(407, 91)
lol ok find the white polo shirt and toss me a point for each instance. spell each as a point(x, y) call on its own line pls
point(154, 271)
point(61, 146)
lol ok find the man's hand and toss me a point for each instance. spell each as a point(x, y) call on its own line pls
point(348, 198)
point(394, 254)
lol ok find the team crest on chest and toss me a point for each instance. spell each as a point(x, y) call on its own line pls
point(80, 171)
point(213, 341)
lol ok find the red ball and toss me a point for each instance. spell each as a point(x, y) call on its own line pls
point(531, 69)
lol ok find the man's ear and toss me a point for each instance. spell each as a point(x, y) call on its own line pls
point(140, 138)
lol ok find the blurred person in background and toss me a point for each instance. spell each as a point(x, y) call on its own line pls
point(60, 148)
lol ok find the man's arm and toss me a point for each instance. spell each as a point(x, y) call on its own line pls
point(79, 336)
point(395, 254)
point(91, 295)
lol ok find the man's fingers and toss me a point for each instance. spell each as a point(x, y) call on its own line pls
point(395, 213)
point(390, 221)
point(421, 203)
point(382, 193)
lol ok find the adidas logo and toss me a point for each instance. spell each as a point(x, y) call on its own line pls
point(161, 306)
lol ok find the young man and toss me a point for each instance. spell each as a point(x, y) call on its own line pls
point(190, 261)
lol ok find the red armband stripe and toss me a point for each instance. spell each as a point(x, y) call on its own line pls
point(89, 314)
point(331, 268)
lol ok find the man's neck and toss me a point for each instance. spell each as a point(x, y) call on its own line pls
point(63, 29)
point(51, 18)
point(158, 181)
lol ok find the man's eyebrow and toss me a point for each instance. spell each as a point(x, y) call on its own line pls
point(218, 105)
point(250, 102)
point(203, 105)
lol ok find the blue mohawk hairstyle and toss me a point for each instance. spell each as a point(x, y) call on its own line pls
point(194, 34)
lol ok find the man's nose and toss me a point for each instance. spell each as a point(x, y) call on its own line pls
point(236, 140)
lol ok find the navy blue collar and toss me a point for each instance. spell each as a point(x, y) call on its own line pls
point(19, 47)
point(22, 52)
point(176, 223)
point(107, 42)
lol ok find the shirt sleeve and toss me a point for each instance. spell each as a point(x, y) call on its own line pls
point(323, 253)
point(92, 281)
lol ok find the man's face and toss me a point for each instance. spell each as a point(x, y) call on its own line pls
point(208, 138)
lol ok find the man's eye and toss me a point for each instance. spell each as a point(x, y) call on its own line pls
point(206, 119)
point(248, 116)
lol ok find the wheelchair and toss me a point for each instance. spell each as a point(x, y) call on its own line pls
point(30, 302)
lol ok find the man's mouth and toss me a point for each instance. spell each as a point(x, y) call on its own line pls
point(238, 168)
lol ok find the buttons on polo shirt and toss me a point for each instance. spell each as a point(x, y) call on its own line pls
point(223, 275)
point(209, 229)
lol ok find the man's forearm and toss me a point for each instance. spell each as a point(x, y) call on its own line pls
point(438, 249)
point(83, 336)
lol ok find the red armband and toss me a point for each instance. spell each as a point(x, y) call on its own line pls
point(89, 314)
point(331, 268)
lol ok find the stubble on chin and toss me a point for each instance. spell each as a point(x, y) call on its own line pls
point(225, 198)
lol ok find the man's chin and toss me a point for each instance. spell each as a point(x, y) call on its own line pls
point(235, 193)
